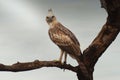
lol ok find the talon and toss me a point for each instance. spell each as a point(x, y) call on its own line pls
point(64, 62)
point(56, 61)
point(64, 70)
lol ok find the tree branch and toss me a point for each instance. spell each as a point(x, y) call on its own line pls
point(17, 67)
point(100, 44)
point(107, 34)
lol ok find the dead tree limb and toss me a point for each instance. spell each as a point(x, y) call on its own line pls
point(18, 67)
point(106, 36)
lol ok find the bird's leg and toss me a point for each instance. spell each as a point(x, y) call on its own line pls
point(61, 55)
point(65, 58)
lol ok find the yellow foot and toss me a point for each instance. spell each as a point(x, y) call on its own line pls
point(57, 61)
point(64, 62)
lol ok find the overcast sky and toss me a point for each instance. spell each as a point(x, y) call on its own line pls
point(24, 37)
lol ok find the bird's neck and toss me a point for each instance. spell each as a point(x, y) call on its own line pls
point(53, 23)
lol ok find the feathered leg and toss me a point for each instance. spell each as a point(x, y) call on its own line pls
point(65, 58)
point(61, 55)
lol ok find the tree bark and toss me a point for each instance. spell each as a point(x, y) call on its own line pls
point(18, 67)
point(106, 36)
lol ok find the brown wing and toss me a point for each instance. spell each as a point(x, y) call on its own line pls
point(69, 33)
point(65, 39)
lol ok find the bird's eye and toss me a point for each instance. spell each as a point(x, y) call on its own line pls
point(53, 16)
point(47, 17)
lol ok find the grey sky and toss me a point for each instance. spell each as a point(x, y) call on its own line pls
point(24, 36)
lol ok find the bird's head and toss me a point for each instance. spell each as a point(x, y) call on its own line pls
point(50, 17)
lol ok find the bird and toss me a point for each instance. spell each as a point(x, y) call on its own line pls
point(65, 40)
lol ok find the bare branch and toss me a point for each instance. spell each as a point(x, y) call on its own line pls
point(107, 34)
point(110, 5)
point(17, 67)
point(100, 44)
